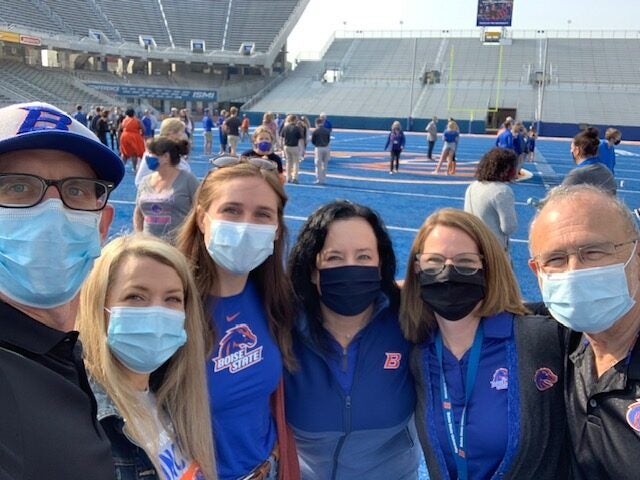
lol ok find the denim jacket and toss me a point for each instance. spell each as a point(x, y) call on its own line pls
point(131, 461)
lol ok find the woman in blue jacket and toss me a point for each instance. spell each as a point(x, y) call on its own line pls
point(351, 401)
point(489, 377)
point(396, 141)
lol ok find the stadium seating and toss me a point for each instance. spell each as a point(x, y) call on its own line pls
point(375, 77)
point(28, 15)
point(20, 82)
point(195, 19)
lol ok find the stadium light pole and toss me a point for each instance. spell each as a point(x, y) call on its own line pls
point(413, 78)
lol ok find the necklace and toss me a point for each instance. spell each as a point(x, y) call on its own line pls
point(345, 335)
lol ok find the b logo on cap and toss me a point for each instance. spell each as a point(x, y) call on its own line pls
point(43, 118)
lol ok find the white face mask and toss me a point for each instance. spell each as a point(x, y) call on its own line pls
point(588, 300)
point(240, 247)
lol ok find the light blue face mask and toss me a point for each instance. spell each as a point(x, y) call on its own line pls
point(240, 247)
point(143, 338)
point(588, 300)
point(46, 252)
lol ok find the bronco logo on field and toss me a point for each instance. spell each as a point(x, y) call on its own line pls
point(234, 352)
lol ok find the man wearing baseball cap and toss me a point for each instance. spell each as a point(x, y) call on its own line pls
point(55, 180)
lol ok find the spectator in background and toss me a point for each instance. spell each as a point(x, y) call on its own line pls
point(326, 122)
point(504, 138)
point(589, 169)
point(148, 122)
point(320, 138)
point(263, 145)
point(131, 140)
point(532, 137)
point(584, 150)
point(607, 150)
point(50, 239)
point(244, 128)
point(432, 136)
point(144, 342)
point(279, 121)
point(490, 198)
point(79, 116)
point(271, 124)
point(165, 196)
point(350, 348)
point(207, 126)
point(396, 140)
point(291, 136)
point(102, 126)
point(304, 126)
point(172, 128)
point(232, 129)
point(450, 138)
point(188, 123)
point(97, 114)
point(222, 132)
point(173, 113)
point(115, 121)
point(519, 143)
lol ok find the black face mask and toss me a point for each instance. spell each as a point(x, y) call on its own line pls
point(451, 295)
point(349, 290)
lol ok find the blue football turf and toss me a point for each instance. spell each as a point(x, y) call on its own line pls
point(359, 171)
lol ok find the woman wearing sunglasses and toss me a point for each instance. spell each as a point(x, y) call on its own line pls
point(489, 378)
point(234, 237)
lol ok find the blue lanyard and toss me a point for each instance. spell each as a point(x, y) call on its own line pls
point(458, 445)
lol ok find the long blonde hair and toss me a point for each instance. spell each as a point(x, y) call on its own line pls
point(502, 292)
point(271, 281)
point(180, 388)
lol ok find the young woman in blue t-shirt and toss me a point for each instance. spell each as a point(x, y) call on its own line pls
point(235, 236)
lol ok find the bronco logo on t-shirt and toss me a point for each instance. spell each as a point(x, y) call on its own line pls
point(234, 349)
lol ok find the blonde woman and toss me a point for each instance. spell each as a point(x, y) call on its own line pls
point(450, 137)
point(144, 345)
point(174, 129)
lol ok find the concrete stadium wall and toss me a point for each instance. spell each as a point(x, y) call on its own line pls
point(547, 129)
point(382, 123)
point(571, 129)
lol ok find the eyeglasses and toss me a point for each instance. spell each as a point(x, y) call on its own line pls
point(229, 161)
point(589, 255)
point(463, 263)
point(19, 190)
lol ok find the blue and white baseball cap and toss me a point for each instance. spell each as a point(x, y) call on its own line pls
point(37, 125)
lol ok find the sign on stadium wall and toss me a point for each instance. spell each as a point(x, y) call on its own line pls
point(494, 13)
point(156, 92)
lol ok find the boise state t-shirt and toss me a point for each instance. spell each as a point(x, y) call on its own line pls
point(243, 371)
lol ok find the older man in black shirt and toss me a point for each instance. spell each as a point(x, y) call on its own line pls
point(55, 179)
point(584, 245)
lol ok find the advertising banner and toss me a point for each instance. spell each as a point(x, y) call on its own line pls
point(140, 91)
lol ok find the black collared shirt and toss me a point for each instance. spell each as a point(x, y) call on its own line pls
point(48, 426)
point(603, 414)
